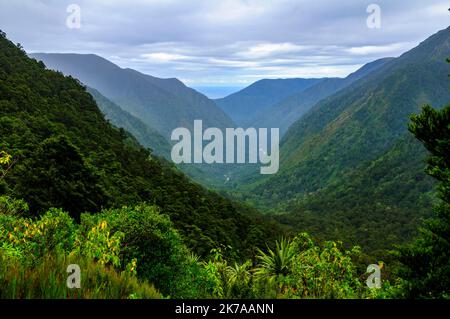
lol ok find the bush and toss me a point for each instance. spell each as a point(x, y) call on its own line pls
point(34, 255)
point(298, 268)
point(30, 239)
point(150, 238)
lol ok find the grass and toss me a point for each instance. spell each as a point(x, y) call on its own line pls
point(47, 280)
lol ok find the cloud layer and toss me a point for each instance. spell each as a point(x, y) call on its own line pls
point(226, 42)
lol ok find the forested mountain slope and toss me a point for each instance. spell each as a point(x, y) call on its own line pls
point(67, 155)
point(349, 167)
point(363, 121)
point(290, 109)
point(146, 136)
point(163, 104)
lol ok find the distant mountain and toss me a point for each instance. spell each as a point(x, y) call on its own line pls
point(364, 120)
point(351, 155)
point(68, 156)
point(290, 109)
point(283, 114)
point(163, 104)
point(145, 135)
point(251, 102)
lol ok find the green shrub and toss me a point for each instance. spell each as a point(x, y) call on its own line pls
point(31, 239)
point(34, 255)
point(150, 238)
point(299, 268)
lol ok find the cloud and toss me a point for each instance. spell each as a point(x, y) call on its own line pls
point(380, 49)
point(270, 49)
point(164, 57)
point(226, 42)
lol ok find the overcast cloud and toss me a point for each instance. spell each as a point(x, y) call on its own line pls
point(226, 42)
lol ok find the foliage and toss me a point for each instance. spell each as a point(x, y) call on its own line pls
point(29, 240)
point(12, 206)
point(100, 245)
point(34, 256)
point(426, 262)
point(6, 163)
point(301, 269)
point(5, 158)
point(295, 268)
point(63, 177)
point(150, 239)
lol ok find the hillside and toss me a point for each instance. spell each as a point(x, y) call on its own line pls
point(67, 155)
point(253, 101)
point(290, 109)
point(146, 136)
point(162, 104)
point(351, 156)
point(378, 205)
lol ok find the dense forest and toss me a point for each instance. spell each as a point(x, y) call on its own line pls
point(349, 168)
point(77, 190)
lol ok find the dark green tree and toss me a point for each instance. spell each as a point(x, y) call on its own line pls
point(56, 175)
point(426, 262)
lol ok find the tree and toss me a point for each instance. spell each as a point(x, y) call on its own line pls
point(57, 175)
point(426, 262)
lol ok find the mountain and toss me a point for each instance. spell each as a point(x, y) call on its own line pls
point(251, 102)
point(284, 113)
point(162, 104)
point(377, 205)
point(145, 135)
point(67, 155)
point(350, 159)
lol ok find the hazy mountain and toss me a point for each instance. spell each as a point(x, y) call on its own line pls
point(253, 101)
point(145, 135)
point(364, 120)
point(290, 109)
point(351, 155)
point(163, 104)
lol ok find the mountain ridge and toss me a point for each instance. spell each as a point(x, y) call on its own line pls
point(163, 104)
point(289, 110)
point(247, 104)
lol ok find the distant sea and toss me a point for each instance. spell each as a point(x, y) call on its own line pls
point(217, 92)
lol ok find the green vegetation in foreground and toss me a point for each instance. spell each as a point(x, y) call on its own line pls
point(120, 250)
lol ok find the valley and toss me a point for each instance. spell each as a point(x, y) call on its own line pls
point(287, 188)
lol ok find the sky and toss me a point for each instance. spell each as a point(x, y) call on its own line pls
point(218, 46)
